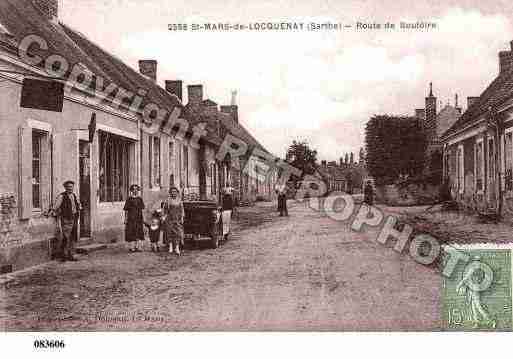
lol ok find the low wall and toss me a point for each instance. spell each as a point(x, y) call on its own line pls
point(411, 194)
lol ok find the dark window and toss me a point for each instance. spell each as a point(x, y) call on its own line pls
point(114, 166)
point(37, 138)
point(154, 157)
point(186, 164)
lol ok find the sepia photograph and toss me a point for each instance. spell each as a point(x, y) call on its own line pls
point(255, 166)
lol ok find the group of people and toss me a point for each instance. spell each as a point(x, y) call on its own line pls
point(166, 223)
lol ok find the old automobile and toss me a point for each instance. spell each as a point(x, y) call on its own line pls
point(206, 219)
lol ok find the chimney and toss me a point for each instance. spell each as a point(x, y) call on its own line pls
point(471, 100)
point(148, 68)
point(456, 104)
point(195, 94)
point(209, 108)
point(234, 98)
point(233, 110)
point(50, 8)
point(420, 114)
point(323, 163)
point(174, 87)
point(506, 60)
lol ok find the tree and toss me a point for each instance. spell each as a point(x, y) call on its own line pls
point(395, 148)
point(302, 157)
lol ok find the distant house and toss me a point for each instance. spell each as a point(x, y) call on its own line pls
point(434, 124)
point(478, 148)
point(345, 176)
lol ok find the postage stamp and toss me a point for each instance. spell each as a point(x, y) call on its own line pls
point(477, 296)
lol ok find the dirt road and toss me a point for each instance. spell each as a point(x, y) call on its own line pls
point(304, 272)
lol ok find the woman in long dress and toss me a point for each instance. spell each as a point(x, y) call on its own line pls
point(173, 220)
point(134, 232)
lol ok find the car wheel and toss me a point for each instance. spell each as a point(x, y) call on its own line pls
point(216, 238)
point(214, 242)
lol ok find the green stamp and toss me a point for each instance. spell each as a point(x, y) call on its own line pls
point(477, 295)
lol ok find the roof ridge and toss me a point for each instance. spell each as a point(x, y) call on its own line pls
point(495, 94)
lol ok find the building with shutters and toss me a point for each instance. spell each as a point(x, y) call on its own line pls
point(52, 132)
point(478, 147)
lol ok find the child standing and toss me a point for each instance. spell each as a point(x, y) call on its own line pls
point(133, 208)
point(173, 218)
point(154, 231)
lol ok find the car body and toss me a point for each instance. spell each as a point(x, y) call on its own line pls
point(206, 219)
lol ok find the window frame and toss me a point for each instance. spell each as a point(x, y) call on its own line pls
point(508, 132)
point(41, 136)
point(460, 168)
point(479, 166)
point(171, 162)
point(185, 158)
point(119, 164)
point(45, 155)
point(155, 154)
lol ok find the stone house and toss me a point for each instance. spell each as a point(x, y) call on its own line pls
point(54, 130)
point(478, 148)
point(345, 176)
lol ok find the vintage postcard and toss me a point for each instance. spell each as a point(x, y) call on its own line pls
point(205, 166)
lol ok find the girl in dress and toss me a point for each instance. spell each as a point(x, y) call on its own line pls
point(173, 220)
point(134, 232)
point(154, 232)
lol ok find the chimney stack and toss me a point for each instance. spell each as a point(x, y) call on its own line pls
point(234, 98)
point(420, 114)
point(175, 87)
point(195, 94)
point(323, 163)
point(148, 68)
point(50, 8)
point(233, 110)
point(456, 104)
point(209, 108)
point(471, 100)
point(506, 60)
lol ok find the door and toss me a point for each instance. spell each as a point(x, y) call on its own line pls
point(85, 188)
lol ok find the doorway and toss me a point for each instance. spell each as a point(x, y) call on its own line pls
point(85, 188)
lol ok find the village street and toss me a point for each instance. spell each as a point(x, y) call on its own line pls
point(304, 272)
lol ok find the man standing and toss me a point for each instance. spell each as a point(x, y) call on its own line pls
point(368, 194)
point(67, 211)
point(282, 200)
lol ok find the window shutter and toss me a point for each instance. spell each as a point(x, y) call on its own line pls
point(65, 160)
point(25, 172)
point(57, 145)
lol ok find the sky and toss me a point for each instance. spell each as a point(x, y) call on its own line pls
point(323, 86)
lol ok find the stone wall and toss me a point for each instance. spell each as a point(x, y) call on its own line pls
point(412, 194)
